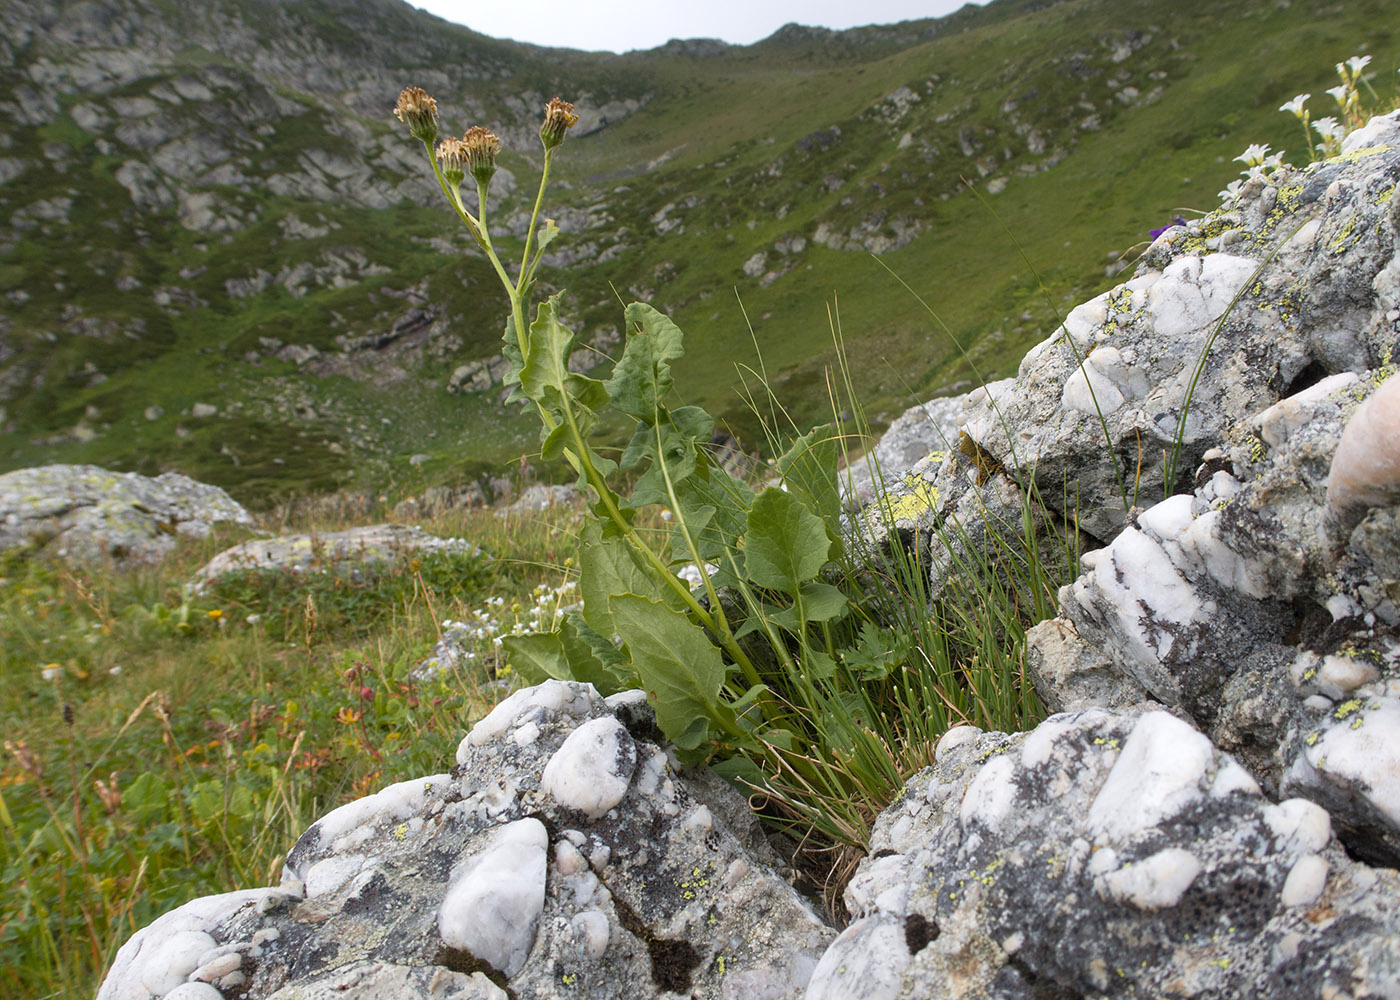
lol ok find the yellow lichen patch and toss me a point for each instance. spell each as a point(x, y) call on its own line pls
point(921, 498)
point(1347, 708)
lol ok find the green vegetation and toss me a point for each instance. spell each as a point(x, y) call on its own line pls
point(161, 746)
point(1103, 118)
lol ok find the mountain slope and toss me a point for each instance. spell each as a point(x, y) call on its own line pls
point(220, 254)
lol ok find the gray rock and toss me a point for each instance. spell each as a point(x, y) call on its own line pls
point(608, 877)
point(86, 514)
point(1109, 855)
point(920, 432)
point(1230, 284)
point(333, 552)
point(1234, 605)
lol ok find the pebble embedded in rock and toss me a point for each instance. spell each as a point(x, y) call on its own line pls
point(594, 767)
point(492, 909)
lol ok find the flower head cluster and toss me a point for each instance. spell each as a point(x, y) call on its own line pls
point(452, 158)
point(419, 112)
point(479, 148)
point(559, 117)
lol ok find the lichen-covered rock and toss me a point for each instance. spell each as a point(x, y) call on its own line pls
point(85, 513)
point(1225, 316)
point(1235, 605)
point(563, 856)
point(1110, 855)
point(335, 551)
point(921, 431)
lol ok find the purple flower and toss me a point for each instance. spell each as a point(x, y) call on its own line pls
point(1176, 221)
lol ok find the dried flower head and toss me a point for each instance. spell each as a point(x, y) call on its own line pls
point(419, 112)
point(453, 159)
point(559, 117)
point(480, 146)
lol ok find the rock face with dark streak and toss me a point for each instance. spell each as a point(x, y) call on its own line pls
point(561, 857)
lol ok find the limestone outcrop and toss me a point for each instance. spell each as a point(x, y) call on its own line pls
point(84, 513)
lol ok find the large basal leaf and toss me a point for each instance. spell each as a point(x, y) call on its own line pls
point(786, 544)
point(680, 669)
point(592, 658)
point(642, 377)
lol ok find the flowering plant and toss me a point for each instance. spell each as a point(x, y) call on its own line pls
point(745, 618)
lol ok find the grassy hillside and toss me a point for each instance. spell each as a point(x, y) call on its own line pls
point(182, 230)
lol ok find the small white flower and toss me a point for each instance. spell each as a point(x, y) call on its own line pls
point(1357, 64)
point(51, 673)
point(1329, 128)
point(1254, 155)
point(1232, 190)
point(1340, 94)
point(115, 671)
point(1295, 106)
point(1273, 162)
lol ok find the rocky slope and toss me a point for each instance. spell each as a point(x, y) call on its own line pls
point(1215, 806)
point(215, 247)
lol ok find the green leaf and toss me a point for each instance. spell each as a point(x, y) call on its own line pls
point(537, 657)
point(592, 658)
point(822, 602)
point(808, 469)
point(551, 343)
point(680, 669)
point(545, 235)
point(607, 566)
point(742, 773)
point(693, 422)
point(819, 665)
point(642, 377)
point(786, 544)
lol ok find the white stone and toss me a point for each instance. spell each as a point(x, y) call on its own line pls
point(592, 932)
point(353, 824)
point(991, 795)
point(953, 738)
point(194, 991)
point(592, 770)
point(1153, 883)
point(1366, 468)
point(552, 696)
point(1194, 293)
point(1360, 751)
point(864, 963)
point(1298, 825)
point(1305, 882)
point(1232, 778)
point(1158, 773)
point(492, 909)
point(216, 968)
point(173, 959)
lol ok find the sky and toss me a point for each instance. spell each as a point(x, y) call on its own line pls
point(622, 25)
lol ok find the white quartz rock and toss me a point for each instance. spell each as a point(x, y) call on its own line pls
point(593, 768)
point(1153, 883)
point(1159, 772)
point(1366, 468)
point(492, 908)
point(173, 960)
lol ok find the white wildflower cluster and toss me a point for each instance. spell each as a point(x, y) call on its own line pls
point(1323, 136)
point(479, 635)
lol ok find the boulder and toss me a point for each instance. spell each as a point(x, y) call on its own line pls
point(563, 856)
point(1107, 854)
point(334, 551)
point(87, 514)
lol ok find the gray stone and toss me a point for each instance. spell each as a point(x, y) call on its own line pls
point(1110, 855)
point(405, 893)
point(332, 552)
point(86, 514)
point(1305, 286)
